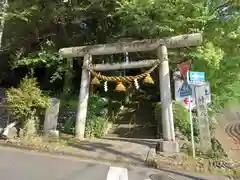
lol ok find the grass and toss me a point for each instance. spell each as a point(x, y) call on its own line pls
point(42, 142)
point(188, 163)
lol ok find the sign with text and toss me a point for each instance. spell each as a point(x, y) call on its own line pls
point(196, 76)
point(203, 121)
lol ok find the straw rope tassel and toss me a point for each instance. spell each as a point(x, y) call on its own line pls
point(120, 86)
point(148, 79)
point(95, 81)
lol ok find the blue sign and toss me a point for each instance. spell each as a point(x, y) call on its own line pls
point(196, 76)
point(185, 90)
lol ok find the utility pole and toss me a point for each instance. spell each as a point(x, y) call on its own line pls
point(3, 6)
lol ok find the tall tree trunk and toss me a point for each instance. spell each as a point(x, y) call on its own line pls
point(68, 77)
point(3, 8)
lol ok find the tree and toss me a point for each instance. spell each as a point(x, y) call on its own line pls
point(49, 25)
point(3, 7)
point(27, 100)
point(218, 22)
point(35, 31)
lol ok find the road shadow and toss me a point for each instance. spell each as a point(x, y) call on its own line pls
point(143, 131)
point(151, 143)
point(107, 151)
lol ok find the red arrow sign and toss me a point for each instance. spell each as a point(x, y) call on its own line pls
point(186, 101)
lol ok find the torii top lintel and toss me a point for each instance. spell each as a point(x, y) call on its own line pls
point(185, 40)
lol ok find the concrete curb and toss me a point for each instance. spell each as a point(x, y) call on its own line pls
point(59, 152)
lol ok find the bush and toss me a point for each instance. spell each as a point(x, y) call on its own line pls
point(181, 119)
point(217, 151)
point(26, 101)
point(95, 127)
point(96, 117)
point(96, 122)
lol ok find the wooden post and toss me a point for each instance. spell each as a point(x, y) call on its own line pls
point(83, 98)
point(166, 99)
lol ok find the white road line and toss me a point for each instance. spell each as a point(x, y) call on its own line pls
point(117, 173)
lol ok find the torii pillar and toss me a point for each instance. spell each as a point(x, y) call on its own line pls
point(169, 143)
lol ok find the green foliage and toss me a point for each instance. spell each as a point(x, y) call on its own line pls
point(161, 18)
point(219, 23)
point(26, 101)
point(97, 105)
point(96, 122)
point(47, 57)
point(209, 55)
point(96, 127)
point(96, 117)
point(26, 97)
point(181, 119)
point(69, 127)
point(217, 152)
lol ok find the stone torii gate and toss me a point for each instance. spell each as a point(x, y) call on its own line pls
point(160, 45)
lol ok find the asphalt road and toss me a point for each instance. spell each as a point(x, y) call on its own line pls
point(24, 165)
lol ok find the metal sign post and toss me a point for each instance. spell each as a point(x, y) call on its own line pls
point(191, 123)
